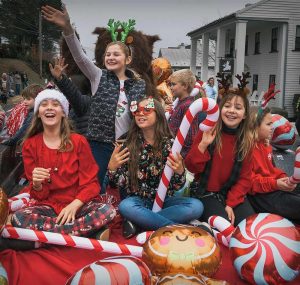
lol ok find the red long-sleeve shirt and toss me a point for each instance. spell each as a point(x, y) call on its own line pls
point(221, 168)
point(76, 177)
point(264, 173)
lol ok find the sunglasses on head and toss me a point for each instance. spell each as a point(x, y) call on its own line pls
point(146, 111)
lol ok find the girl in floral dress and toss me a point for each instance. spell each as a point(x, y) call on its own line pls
point(137, 165)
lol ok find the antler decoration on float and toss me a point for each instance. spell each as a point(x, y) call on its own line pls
point(270, 94)
point(203, 104)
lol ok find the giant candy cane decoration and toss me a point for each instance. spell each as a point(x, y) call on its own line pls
point(72, 241)
point(203, 104)
point(18, 202)
point(295, 178)
point(195, 91)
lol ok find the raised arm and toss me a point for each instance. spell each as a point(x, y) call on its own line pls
point(62, 20)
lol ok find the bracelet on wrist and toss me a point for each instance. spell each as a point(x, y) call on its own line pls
point(37, 188)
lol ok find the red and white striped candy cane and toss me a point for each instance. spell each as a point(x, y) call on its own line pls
point(18, 202)
point(222, 225)
point(143, 237)
point(295, 178)
point(72, 241)
point(195, 91)
point(220, 238)
point(203, 104)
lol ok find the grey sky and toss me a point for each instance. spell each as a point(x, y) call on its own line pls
point(170, 19)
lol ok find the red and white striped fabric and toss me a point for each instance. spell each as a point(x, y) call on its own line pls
point(207, 105)
point(16, 119)
point(295, 178)
point(116, 270)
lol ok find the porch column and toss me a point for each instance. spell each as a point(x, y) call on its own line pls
point(204, 61)
point(282, 65)
point(240, 39)
point(193, 55)
point(220, 48)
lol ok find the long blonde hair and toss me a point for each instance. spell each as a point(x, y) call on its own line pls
point(161, 132)
point(244, 135)
point(66, 129)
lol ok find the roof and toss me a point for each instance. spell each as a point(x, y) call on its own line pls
point(181, 57)
point(235, 15)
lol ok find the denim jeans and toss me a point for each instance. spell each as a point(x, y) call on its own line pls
point(176, 210)
point(102, 152)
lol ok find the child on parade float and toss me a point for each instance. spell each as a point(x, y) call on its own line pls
point(221, 161)
point(29, 94)
point(137, 167)
point(182, 83)
point(113, 89)
point(271, 190)
point(62, 175)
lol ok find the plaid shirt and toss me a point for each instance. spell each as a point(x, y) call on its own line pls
point(176, 118)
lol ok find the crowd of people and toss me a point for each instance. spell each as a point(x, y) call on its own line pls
point(124, 136)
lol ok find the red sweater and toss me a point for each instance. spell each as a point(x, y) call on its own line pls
point(76, 177)
point(221, 168)
point(264, 173)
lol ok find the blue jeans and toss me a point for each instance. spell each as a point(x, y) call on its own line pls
point(176, 210)
point(102, 152)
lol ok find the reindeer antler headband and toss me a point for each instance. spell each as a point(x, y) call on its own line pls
point(127, 27)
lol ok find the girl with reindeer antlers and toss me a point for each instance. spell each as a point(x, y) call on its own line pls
point(272, 191)
point(221, 159)
point(113, 88)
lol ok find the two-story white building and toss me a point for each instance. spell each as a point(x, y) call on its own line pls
point(264, 39)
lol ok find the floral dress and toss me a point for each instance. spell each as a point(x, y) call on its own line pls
point(151, 166)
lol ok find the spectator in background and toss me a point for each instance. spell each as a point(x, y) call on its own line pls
point(18, 82)
point(211, 89)
point(24, 79)
point(3, 88)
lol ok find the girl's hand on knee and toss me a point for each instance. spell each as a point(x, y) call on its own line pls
point(118, 157)
point(176, 163)
point(67, 214)
point(230, 214)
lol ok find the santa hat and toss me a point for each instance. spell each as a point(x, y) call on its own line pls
point(54, 95)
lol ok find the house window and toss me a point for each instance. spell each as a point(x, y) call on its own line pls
point(246, 45)
point(297, 39)
point(274, 40)
point(257, 43)
point(255, 82)
point(231, 48)
point(272, 79)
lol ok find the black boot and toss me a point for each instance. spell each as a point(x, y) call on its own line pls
point(129, 229)
point(6, 243)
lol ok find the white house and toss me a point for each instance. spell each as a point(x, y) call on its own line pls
point(180, 57)
point(264, 39)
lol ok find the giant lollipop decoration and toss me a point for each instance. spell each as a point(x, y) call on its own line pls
point(266, 249)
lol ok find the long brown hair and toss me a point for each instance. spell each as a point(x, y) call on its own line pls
point(66, 129)
point(161, 132)
point(244, 135)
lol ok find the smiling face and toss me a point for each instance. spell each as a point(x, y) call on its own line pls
point(145, 117)
point(233, 112)
point(115, 58)
point(184, 249)
point(51, 113)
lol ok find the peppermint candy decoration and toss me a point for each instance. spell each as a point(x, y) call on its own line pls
point(266, 249)
point(133, 106)
point(112, 271)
